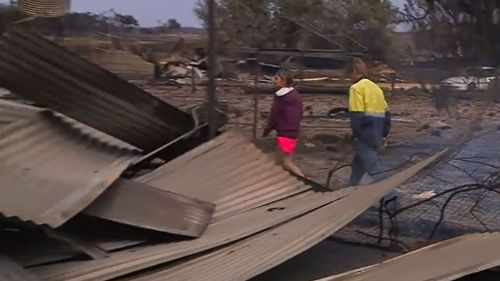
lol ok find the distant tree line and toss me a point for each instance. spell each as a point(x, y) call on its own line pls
point(74, 24)
point(279, 23)
point(465, 30)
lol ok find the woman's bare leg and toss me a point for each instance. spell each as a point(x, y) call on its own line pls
point(289, 165)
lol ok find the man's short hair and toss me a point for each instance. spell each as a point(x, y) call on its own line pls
point(357, 64)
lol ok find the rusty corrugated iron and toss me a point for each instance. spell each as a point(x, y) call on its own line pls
point(347, 204)
point(254, 255)
point(40, 70)
point(444, 261)
point(230, 172)
point(140, 205)
point(44, 8)
point(51, 168)
point(229, 230)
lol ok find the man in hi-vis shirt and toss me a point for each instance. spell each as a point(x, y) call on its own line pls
point(370, 121)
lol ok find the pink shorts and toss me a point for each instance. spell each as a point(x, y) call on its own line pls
point(286, 145)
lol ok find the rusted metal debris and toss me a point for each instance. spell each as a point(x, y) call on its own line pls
point(144, 206)
point(230, 172)
point(254, 255)
point(220, 233)
point(40, 70)
point(50, 169)
point(88, 249)
point(339, 209)
point(444, 261)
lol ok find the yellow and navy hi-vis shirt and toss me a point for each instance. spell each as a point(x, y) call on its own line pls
point(370, 115)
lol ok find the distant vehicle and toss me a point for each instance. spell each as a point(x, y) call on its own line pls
point(474, 78)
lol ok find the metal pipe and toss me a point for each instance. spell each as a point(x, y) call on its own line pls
point(212, 100)
point(152, 154)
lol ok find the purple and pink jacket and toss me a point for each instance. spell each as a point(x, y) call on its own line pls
point(286, 113)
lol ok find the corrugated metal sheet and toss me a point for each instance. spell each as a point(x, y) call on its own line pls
point(51, 169)
point(37, 69)
point(445, 261)
point(220, 233)
point(12, 111)
point(44, 8)
point(141, 205)
point(254, 255)
point(11, 271)
point(229, 172)
point(217, 234)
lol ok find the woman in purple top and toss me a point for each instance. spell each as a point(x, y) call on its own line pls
point(285, 118)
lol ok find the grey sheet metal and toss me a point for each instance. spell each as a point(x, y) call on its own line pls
point(229, 172)
point(37, 69)
point(254, 255)
point(140, 205)
point(220, 233)
point(11, 271)
point(51, 169)
point(278, 244)
point(444, 261)
point(13, 111)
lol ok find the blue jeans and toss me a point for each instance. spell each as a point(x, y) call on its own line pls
point(365, 161)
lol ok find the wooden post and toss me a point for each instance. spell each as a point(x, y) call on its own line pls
point(255, 99)
point(212, 69)
point(193, 82)
point(301, 71)
point(393, 83)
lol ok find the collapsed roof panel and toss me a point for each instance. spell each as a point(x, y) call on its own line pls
point(13, 111)
point(11, 271)
point(231, 229)
point(347, 203)
point(144, 206)
point(444, 261)
point(256, 254)
point(40, 70)
point(230, 172)
point(51, 168)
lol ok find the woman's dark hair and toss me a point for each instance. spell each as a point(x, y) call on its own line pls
point(286, 75)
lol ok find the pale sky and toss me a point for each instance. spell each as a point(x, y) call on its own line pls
point(148, 12)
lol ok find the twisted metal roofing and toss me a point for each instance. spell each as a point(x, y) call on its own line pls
point(444, 261)
point(52, 168)
point(13, 111)
point(256, 254)
point(249, 257)
point(38, 69)
point(144, 206)
point(229, 172)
